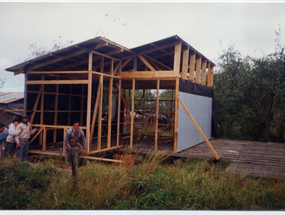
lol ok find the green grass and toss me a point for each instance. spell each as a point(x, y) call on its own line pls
point(154, 183)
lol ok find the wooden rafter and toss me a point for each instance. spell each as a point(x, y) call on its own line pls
point(146, 63)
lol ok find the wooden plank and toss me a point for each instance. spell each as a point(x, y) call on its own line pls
point(110, 112)
point(100, 114)
point(209, 76)
point(25, 94)
point(126, 62)
point(176, 116)
point(198, 128)
point(56, 72)
point(89, 97)
point(81, 105)
point(56, 126)
point(149, 75)
point(117, 68)
point(198, 70)
point(165, 130)
point(192, 67)
point(59, 82)
point(44, 139)
point(34, 137)
point(98, 97)
point(156, 118)
point(55, 113)
point(203, 78)
point(132, 115)
point(42, 109)
point(177, 56)
point(36, 104)
point(185, 63)
point(146, 63)
point(119, 112)
point(105, 55)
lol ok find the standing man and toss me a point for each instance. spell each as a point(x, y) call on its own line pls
point(22, 139)
point(72, 136)
point(3, 136)
point(11, 143)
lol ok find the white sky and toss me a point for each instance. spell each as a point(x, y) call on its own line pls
point(250, 26)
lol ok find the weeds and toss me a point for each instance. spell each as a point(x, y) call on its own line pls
point(154, 183)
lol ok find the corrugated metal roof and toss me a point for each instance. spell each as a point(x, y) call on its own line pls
point(8, 97)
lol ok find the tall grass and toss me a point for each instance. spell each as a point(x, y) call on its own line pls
point(154, 183)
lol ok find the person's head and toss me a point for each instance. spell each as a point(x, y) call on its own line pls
point(16, 122)
point(26, 118)
point(2, 127)
point(75, 125)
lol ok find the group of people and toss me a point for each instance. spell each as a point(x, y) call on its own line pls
point(16, 138)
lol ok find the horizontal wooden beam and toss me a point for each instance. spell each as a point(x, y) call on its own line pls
point(150, 75)
point(56, 72)
point(58, 82)
point(56, 126)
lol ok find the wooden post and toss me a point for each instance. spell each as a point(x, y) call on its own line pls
point(185, 63)
point(82, 103)
point(98, 97)
point(198, 128)
point(192, 67)
point(177, 56)
point(100, 114)
point(176, 115)
point(198, 70)
point(89, 97)
point(172, 110)
point(25, 94)
point(157, 112)
point(119, 112)
point(55, 113)
point(69, 104)
point(203, 79)
point(44, 139)
point(132, 116)
point(63, 144)
point(42, 109)
point(110, 107)
point(36, 104)
point(143, 120)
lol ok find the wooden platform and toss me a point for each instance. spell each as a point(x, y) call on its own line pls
point(249, 158)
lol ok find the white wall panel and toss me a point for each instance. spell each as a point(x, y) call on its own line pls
point(200, 108)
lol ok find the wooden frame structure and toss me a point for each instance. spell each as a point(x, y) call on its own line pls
point(72, 84)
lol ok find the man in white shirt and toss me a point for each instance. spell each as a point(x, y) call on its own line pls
point(22, 139)
point(11, 143)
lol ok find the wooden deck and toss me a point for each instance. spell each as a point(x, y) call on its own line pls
point(247, 157)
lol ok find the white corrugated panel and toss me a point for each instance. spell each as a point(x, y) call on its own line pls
point(200, 108)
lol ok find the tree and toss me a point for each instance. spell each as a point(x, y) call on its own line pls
point(40, 51)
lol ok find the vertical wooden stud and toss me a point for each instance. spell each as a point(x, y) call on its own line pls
point(110, 112)
point(100, 114)
point(55, 112)
point(82, 103)
point(198, 70)
point(156, 118)
point(177, 57)
point(42, 109)
point(203, 79)
point(176, 115)
point(25, 94)
point(132, 115)
point(89, 96)
point(44, 139)
point(192, 67)
point(119, 112)
point(185, 63)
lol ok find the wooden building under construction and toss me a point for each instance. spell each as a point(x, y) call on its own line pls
point(85, 81)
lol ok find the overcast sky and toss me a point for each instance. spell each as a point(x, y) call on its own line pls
point(250, 27)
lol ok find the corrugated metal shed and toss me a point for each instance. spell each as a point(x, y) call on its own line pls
point(8, 97)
